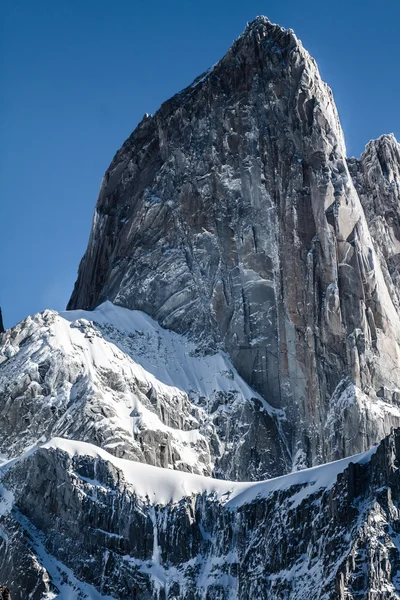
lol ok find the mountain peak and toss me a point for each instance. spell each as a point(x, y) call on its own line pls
point(214, 216)
point(264, 26)
point(262, 30)
point(264, 270)
point(384, 153)
point(387, 140)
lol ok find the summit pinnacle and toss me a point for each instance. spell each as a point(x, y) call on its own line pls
point(231, 216)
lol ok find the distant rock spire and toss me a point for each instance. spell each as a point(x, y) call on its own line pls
point(1, 322)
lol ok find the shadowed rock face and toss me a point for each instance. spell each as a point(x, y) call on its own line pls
point(231, 215)
point(377, 179)
point(1, 322)
point(340, 541)
point(234, 217)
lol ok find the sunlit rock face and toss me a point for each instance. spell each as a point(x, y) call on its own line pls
point(231, 216)
point(377, 179)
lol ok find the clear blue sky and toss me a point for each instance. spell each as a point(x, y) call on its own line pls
point(78, 75)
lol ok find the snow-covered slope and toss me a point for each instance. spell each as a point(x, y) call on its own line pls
point(114, 377)
point(113, 386)
point(139, 458)
point(165, 486)
point(169, 357)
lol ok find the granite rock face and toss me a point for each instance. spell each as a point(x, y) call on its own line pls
point(329, 533)
point(377, 179)
point(231, 216)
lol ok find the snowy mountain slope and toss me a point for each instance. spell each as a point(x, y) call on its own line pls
point(169, 357)
point(114, 377)
point(177, 535)
point(164, 486)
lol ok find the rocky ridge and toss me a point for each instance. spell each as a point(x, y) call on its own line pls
point(331, 532)
point(115, 378)
point(376, 176)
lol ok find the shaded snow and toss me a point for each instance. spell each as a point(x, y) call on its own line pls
point(162, 486)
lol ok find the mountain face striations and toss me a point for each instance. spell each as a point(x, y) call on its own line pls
point(231, 216)
point(217, 414)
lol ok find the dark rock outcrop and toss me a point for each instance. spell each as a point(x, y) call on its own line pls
point(1, 322)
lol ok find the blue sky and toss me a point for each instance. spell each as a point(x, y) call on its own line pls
point(78, 75)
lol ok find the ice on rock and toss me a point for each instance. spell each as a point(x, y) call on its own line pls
point(247, 229)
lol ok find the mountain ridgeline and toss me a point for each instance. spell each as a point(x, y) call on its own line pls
point(217, 414)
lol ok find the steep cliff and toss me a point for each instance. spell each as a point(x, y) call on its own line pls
point(231, 216)
point(330, 532)
point(377, 179)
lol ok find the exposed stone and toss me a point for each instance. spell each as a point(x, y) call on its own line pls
point(377, 179)
point(231, 215)
point(340, 541)
point(1, 322)
point(90, 381)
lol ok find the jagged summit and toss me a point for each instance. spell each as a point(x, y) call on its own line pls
point(386, 149)
point(260, 31)
point(257, 22)
point(384, 139)
point(262, 28)
point(261, 41)
point(376, 176)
